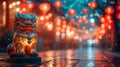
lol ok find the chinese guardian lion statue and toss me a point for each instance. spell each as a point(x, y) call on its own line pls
point(25, 37)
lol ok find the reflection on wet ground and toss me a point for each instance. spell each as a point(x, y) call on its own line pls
point(82, 57)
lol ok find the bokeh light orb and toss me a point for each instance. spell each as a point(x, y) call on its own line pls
point(80, 20)
point(108, 17)
point(44, 7)
point(31, 5)
point(92, 5)
point(71, 12)
point(92, 20)
point(102, 19)
point(50, 15)
point(109, 10)
point(57, 4)
point(85, 10)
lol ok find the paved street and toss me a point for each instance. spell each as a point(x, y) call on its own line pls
point(82, 57)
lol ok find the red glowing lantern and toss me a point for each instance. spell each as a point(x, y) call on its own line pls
point(24, 0)
point(71, 12)
point(31, 5)
point(93, 5)
point(57, 4)
point(118, 8)
point(23, 6)
point(85, 10)
point(44, 7)
point(118, 15)
point(109, 10)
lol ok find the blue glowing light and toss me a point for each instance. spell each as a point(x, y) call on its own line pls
point(90, 41)
point(92, 20)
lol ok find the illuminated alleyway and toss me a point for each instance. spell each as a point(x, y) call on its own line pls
point(71, 33)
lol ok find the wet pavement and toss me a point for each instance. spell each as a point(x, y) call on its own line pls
point(82, 57)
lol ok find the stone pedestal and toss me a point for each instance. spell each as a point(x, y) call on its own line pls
point(25, 60)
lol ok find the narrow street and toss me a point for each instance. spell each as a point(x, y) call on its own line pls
point(65, 33)
point(82, 57)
